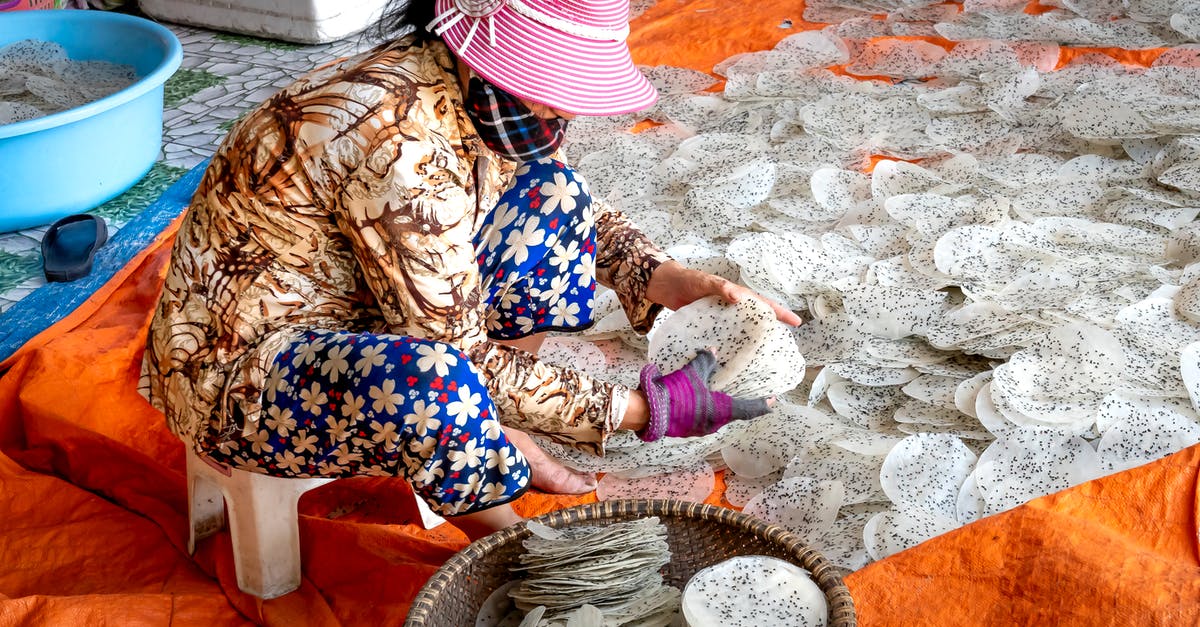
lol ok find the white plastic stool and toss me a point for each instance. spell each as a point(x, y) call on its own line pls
point(263, 522)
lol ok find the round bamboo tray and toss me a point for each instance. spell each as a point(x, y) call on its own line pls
point(699, 535)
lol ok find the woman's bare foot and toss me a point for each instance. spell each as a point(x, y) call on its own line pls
point(551, 476)
point(546, 473)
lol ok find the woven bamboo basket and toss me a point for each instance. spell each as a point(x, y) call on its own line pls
point(699, 535)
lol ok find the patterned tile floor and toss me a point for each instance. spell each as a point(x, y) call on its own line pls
point(222, 77)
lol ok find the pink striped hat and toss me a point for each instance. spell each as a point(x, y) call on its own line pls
point(567, 54)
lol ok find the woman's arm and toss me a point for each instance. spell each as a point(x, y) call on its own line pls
point(625, 261)
point(674, 286)
point(646, 279)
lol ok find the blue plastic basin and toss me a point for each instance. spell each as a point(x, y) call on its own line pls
point(74, 160)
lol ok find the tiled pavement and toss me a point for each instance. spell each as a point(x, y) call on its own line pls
point(222, 77)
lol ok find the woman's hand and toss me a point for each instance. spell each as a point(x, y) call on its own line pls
point(673, 286)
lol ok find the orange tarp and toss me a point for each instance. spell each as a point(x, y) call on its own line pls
point(93, 513)
point(1119, 551)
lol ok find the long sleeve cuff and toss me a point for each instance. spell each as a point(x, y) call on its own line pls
point(625, 261)
point(565, 405)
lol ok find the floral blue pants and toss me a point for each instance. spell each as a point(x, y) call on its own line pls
point(537, 254)
point(339, 404)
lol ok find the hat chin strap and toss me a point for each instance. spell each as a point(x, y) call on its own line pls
point(455, 13)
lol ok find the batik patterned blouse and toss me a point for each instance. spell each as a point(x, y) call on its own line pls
point(350, 201)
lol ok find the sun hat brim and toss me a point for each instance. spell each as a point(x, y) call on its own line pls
point(540, 63)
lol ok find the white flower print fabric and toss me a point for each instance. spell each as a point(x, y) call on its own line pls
point(528, 278)
point(429, 419)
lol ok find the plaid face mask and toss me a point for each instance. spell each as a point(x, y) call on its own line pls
point(508, 127)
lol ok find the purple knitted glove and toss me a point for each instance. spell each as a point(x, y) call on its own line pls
point(681, 405)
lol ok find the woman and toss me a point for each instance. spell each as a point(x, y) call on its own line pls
point(367, 269)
